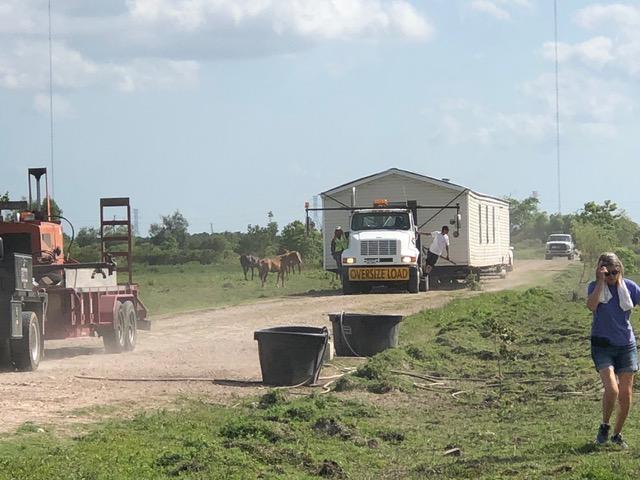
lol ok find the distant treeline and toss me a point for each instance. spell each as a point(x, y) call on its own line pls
point(170, 243)
point(595, 228)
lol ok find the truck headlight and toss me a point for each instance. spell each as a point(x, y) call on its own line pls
point(349, 260)
point(408, 259)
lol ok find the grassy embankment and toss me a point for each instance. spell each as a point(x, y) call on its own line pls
point(527, 407)
point(179, 288)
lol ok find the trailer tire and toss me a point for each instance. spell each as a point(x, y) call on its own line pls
point(114, 336)
point(26, 352)
point(131, 326)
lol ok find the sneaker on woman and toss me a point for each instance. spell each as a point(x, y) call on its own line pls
point(603, 434)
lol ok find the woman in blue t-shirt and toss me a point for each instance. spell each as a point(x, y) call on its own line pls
point(613, 343)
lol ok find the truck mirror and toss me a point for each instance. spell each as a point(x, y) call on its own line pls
point(456, 234)
point(452, 221)
point(1, 249)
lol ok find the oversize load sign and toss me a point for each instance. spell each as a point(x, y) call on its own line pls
point(379, 274)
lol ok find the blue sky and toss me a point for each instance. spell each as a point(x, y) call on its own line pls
point(226, 109)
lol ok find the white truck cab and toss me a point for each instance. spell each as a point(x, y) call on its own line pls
point(559, 245)
point(383, 250)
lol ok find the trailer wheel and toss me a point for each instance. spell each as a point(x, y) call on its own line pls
point(26, 352)
point(131, 329)
point(114, 337)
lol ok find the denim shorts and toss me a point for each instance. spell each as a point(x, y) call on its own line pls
point(622, 359)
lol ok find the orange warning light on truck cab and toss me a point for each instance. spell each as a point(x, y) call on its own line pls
point(380, 202)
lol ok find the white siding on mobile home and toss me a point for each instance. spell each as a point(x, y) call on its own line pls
point(400, 186)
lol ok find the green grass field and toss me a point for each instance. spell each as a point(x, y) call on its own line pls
point(180, 288)
point(503, 381)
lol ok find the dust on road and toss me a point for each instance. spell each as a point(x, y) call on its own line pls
point(213, 343)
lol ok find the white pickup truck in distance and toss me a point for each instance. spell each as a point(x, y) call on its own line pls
point(559, 245)
point(382, 251)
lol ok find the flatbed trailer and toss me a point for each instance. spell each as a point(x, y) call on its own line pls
point(46, 295)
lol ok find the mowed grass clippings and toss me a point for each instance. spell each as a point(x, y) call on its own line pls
point(178, 288)
point(492, 387)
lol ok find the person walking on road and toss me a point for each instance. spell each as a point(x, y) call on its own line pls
point(339, 243)
point(611, 298)
point(439, 244)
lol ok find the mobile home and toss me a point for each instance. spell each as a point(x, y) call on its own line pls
point(482, 242)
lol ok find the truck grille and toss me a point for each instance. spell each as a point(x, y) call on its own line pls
point(379, 247)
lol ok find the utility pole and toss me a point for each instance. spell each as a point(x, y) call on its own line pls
point(51, 106)
point(555, 21)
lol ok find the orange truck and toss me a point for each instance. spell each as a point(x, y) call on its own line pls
point(46, 294)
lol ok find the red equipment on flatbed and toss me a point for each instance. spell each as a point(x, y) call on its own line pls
point(44, 294)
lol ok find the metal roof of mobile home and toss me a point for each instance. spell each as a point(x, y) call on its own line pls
point(408, 174)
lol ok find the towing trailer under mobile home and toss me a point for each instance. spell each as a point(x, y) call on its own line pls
point(483, 241)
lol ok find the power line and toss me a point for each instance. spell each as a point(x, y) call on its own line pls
point(555, 21)
point(51, 104)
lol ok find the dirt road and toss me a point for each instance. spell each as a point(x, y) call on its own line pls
point(215, 343)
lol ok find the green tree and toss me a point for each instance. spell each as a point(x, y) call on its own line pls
point(172, 232)
point(591, 240)
point(87, 236)
point(260, 241)
point(602, 215)
point(294, 237)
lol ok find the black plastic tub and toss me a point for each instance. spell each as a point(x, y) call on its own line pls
point(291, 355)
point(364, 334)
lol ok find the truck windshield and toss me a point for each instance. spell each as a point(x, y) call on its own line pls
point(559, 238)
point(380, 221)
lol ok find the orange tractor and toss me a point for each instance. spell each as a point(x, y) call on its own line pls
point(45, 294)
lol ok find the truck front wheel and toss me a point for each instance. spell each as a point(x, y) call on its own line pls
point(26, 352)
point(347, 286)
point(414, 281)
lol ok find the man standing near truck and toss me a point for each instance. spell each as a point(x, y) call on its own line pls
point(338, 245)
point(439, 244)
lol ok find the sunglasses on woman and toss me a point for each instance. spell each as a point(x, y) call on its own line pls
point(613, 272)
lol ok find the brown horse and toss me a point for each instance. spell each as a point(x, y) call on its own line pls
point(290, 260)
point(249, 262)
point(271, 265)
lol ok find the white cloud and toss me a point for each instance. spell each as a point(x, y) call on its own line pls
point(491, 8)
point(617, 45)
point(137, 44)
point(588, 106)
point(310, 19)
point(618, 13)
point(463, 122)
point(499, 9)
point(26, 66)
point(595, 52)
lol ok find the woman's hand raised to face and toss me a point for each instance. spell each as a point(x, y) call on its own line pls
point(600, 273)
